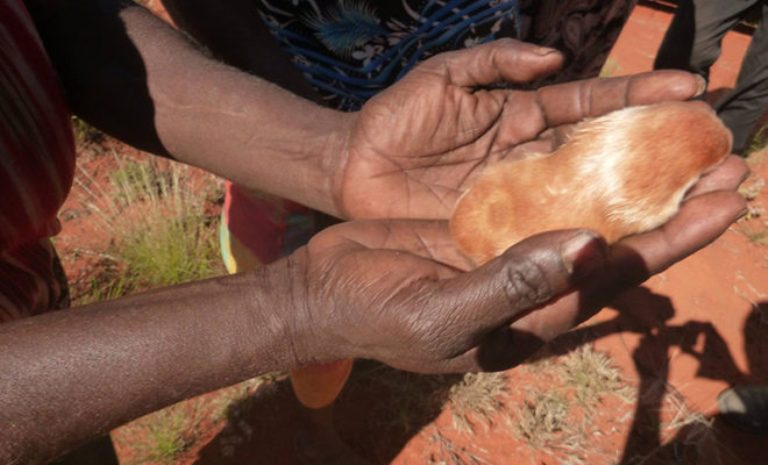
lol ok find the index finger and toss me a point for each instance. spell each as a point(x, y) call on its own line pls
point(701, 220)
point(503, 60)
point(572, 102)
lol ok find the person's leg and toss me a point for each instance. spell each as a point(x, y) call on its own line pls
point(693, 40)
point(317, 387)
point(742, 108)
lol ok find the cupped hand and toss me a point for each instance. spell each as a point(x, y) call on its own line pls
point(398, 292)
point(415, 148)
point(401, 293)
point(709, 209)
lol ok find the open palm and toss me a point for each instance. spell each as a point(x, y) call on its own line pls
point(416, 147)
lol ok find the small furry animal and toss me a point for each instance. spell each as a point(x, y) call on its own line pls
point(619, 174)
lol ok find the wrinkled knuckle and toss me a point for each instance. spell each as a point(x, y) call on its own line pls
point(527, 284)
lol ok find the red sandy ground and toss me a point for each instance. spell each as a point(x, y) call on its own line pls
point(696, 329)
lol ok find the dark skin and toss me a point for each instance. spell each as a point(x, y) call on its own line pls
point(79, 373)
point(409, 153)
point(100, 366)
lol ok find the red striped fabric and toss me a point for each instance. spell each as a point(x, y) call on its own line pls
point(37, 160)
point(36, 144)
point(30, 282)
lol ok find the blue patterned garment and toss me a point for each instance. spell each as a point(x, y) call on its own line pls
point(349, 50)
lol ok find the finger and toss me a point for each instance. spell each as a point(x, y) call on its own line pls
point(700, 221)
point(728, 176)
point(572, 102)
point(526, 276)
point(530, 114)
point(509, 346)
point(498, 61)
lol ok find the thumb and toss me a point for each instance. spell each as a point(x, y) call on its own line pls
point(498, 61)
point(528, 275)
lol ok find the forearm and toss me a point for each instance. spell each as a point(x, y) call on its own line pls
point(132, 75)
point(248, 43)
point(73, 374)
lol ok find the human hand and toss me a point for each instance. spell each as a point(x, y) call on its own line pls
point(401, 293)
point(710, 207)
point(417, 146)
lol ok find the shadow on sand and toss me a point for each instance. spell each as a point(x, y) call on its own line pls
point(377, 419)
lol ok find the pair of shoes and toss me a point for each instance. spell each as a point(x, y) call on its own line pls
point(745, 408)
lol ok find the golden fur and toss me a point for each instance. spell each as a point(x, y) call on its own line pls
point(619, 174)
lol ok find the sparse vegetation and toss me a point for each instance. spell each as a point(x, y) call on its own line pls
point(413, 396)
point(85, 134)
point(162, 233)
point(169, 433)
point(542, 418)
point(759, 141)
point(692, 434)
point(454, 454)
point(753, 224)
point(476, 400)
point(556, 416)
point(592, 375)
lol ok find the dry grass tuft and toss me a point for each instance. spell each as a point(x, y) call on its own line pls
point(557, 413)
point(166, 435)
point(476, 400)
point(411, 398)
point(758, 143)
point(753, 224)
point(450, 453)
point(592, 375)
point(689, 434)
point(546, 422)
point(155, 211)
point(85, 134)
point(542, 418)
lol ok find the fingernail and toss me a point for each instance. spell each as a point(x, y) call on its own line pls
point(544, 51)
point(583, 254)
point(701, 85)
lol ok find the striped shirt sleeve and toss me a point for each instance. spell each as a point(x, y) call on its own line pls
point(37, 160)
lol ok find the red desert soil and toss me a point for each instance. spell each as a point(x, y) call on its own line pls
point(676, 343)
